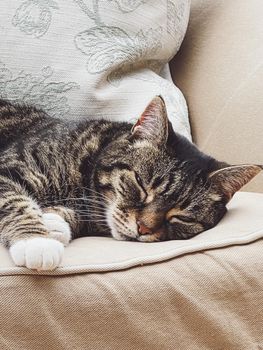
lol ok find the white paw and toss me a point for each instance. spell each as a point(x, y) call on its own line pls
point(59, 229)
point(37, 253)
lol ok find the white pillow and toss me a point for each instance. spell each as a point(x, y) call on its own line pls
point(92, 58)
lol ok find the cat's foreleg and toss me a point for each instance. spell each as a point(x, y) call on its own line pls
point(62, 222)
point(24, 230)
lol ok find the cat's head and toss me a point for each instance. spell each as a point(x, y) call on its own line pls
point(160, 186)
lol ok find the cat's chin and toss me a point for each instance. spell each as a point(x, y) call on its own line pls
point(143, 238)
point(149, 238)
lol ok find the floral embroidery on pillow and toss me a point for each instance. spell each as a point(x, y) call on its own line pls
point(128, 5)
point(36, 90)
point(109, 47)
point(33, 17)
point(112, 48)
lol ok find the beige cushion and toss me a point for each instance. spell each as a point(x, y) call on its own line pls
point(220, 71)
point(211, 299)
point(242, 224)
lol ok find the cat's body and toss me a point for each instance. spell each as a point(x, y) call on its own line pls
point(51, 159)
point(61, 180)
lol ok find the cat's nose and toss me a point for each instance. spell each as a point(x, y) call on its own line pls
point(143, 229)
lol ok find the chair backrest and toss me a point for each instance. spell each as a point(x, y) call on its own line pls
point(220, 71)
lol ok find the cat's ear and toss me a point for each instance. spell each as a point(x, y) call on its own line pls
point(228, 180)
point(153, 124)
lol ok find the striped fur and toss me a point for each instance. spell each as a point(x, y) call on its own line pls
point(61, 180)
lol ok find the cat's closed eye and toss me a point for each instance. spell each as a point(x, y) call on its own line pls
point(141, 185)
point(181, 218)
point(139, 180)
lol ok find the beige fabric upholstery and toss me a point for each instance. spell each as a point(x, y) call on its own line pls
point(207, 300)
point(220, 71)
point(202, 301)
point(211, 299)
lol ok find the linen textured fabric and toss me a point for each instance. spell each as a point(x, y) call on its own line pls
point(92, 58)
point(209, 299)
point(219, 69)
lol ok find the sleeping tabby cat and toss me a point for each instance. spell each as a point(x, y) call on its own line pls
point(59, 181)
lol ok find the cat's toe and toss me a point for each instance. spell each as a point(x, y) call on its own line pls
point(37, 253)
point(59, 229)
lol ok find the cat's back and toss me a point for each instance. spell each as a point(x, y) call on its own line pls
point(26, 129)
point(19, 122)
